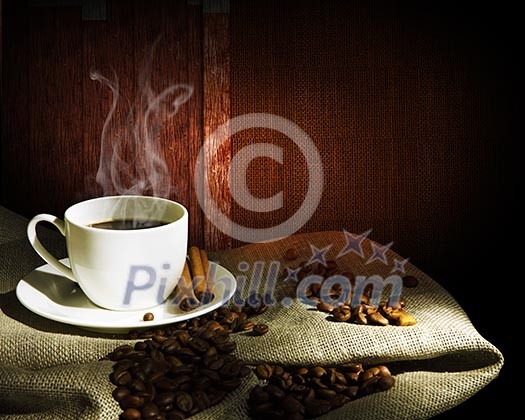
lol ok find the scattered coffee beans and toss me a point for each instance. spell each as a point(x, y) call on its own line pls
point(183, 368)
point(298, 393)
point(364, 313)
point(148, 316)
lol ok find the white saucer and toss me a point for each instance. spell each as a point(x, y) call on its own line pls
point(47, 293)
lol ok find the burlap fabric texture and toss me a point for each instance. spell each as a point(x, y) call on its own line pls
point(51, 371)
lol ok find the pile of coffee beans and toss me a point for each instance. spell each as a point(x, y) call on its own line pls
point(298, 393)
point(178, 376)
point(182, 369)
point(364, 313)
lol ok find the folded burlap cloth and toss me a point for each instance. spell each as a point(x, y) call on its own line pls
point(50, 370)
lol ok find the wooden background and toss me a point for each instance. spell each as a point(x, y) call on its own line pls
point(411, 105)
point(407, 105)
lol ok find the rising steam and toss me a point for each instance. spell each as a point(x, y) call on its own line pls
point(138, 135)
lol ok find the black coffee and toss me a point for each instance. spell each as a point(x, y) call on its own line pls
point(128, 224)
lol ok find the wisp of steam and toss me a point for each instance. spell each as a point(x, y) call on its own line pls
point(138, 135)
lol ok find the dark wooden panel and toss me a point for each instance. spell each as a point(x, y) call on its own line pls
point(108, 48)
point(195, 121)
point(53, 113)
point(216, 112)
point(42, 106)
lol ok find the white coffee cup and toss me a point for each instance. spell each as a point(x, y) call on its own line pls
point(120, 269)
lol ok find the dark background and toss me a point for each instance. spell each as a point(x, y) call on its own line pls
point(413, 106)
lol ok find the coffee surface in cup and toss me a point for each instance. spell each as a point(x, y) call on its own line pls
point(127, 224)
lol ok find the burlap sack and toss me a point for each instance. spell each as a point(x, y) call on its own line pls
point(51, 371)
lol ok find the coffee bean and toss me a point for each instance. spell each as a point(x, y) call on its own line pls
point(136, 385)
point(393, 314)
point(213, 362)
point(278, 370)
point(120, 377)
point(361, 319)
point(231, 384)
point(212, 351)
point(198, 344)
point(227, 347)
point(317, 383)
point(386, 383)
point(291, 254)
point(406, 320)
point(340, 378)
point(121, 351)
point(184, 401)
point(261, 410)
point(131, 401)
point(220, 337)
point(261, 309)
point(120, 392)
point(216, 397)
point(149, 410)
point(170, 346)
point(148, 316)
point(182, 336)
point(302, 371)
point(384, 371)
point(264, 371)
point(290, 405)
point(338, 400)
point(325, 394)
point(369, 374)
point(230, 369)
point(342, 313)
point(258, 395)
point(275, 392)
point(331, 377)
point(182, 370)
point(175, 415)
point(352, 367)
point(246, 326)
point(141, 346)
point(211, 374)
point(260, 329)
point(131, 414)
point(318, 372)
point(377, 319)
point(315, 407)
point(352, 391)
point(339, 388)
point(353, 377)
point(165, 398)
point(410, 281)
point(324, 307)
point(204, 382)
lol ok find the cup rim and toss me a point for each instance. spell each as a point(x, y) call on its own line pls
point(126, 231)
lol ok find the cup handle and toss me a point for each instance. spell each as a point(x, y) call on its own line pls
point(39, 248)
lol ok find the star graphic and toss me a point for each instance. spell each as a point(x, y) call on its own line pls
point(318, 255)
point(378, 253)
point(292, 274)
point(354, 243)
point(399, 265)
